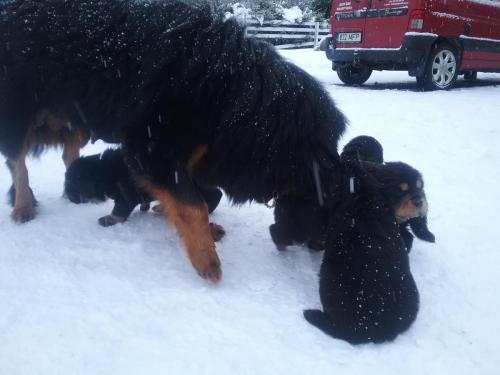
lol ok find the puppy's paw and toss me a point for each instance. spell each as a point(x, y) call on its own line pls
point(316, 245)
point(208, 265)
point(109, 220)
point(277, 237)
point(218, 231)
point(427, 236)
point(23, 214)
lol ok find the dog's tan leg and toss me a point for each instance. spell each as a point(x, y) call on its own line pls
point(24, 206)
point(192, 223)
point(72, 147)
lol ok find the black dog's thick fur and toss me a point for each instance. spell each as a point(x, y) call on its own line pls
point(366, 287)
point(302, 220)
point(190, 96)
point(97, 177)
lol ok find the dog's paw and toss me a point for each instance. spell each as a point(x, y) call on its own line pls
point(144, 207)
point(208, 265)
point(23, 214)
point(109, 220)
point(218, 231)
point(158, 208)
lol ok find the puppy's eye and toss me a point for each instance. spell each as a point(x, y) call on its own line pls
point(419, 184)
point(404, 186)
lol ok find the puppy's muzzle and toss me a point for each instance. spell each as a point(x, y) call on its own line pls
point(421, 206)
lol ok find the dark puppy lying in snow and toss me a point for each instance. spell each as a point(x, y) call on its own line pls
point(366, 287)
point(303, 220)
point(98, 177)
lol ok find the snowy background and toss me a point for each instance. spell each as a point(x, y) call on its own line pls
point(80, 299)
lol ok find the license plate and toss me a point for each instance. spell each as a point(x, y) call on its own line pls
point(349, 37)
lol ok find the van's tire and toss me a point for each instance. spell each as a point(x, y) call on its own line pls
point(354, 74)
point(441, 70)
point(470, 76)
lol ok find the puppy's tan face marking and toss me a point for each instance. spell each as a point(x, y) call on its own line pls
point(413, 203)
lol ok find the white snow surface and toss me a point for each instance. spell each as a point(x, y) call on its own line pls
point(77, 298)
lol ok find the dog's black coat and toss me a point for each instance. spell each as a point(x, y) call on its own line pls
point(97, 177)
point(166, 79)
point(366, 287)
point(303, 220)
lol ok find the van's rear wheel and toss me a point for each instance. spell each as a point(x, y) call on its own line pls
point(354, 74)
point(441, 70)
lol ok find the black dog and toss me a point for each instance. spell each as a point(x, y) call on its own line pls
point(189, 96)
point(366, 287)
point(98, 177)
point(303, 220)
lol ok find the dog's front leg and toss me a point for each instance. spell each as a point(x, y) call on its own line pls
point(165, 174)
point(24, 202)
point(190, 217)
point(72, 146)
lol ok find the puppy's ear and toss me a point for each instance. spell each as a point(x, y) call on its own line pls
point(419, 227)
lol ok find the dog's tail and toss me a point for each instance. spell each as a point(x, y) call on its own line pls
point(322, 321)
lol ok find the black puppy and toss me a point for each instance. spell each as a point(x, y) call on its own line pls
point(366, 148)
point(303, 220)
point(366, 287)
point(363, 148)
point(98, 177)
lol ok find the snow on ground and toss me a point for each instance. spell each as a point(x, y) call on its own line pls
point(80, 299)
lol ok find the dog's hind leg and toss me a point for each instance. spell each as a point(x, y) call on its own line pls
point(24, 200)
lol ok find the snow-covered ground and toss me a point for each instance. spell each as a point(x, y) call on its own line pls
point(76, 298)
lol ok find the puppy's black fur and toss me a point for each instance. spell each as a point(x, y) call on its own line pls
point(303, 220)
point(363, 148)
point(366, 287)
point(190, 96)
point(299, 220)
point(98, 177)
point(366, 148)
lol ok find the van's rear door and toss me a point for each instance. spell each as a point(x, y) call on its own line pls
point(348, 23)
point(387, 21)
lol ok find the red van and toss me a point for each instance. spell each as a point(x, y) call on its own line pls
point(434, 40)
